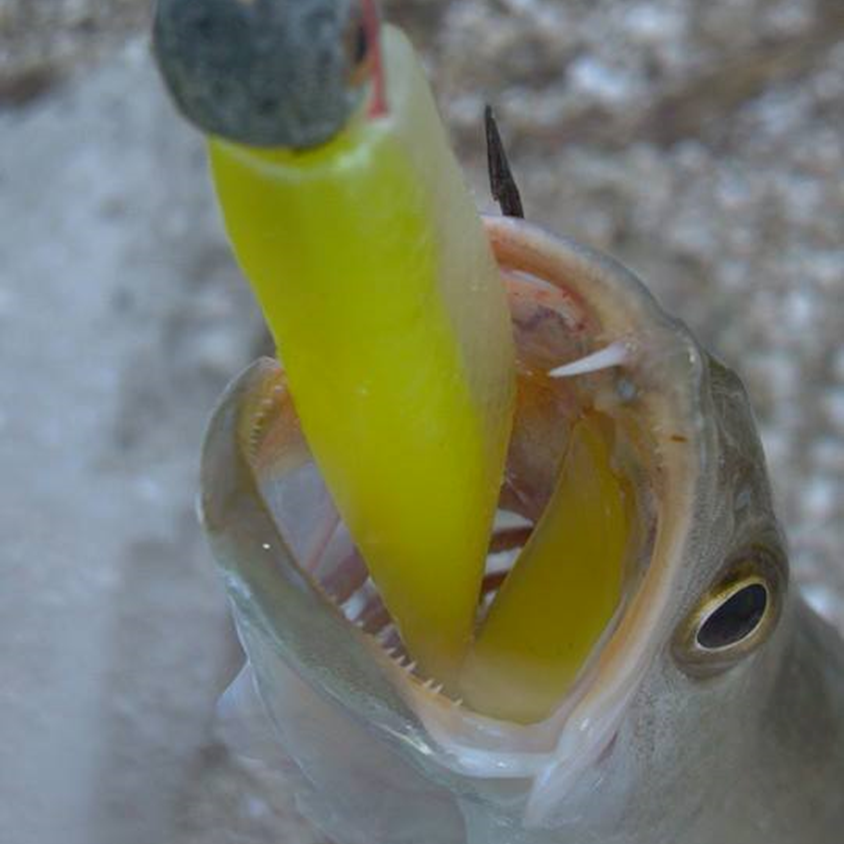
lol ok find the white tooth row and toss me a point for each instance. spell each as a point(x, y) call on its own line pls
point(259, 419)
point(356, 603)
point(403, 661)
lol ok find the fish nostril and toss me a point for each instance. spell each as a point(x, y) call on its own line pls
point(735, 619)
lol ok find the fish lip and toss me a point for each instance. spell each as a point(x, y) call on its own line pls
point(427, 725)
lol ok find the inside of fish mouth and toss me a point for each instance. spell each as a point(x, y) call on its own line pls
point(521, 682)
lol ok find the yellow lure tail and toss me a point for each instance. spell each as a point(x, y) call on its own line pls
point(562, 592)
point(377, 281)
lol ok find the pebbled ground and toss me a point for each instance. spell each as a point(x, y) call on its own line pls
point(700, 143)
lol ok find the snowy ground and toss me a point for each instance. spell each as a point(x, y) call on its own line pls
point(700, 143)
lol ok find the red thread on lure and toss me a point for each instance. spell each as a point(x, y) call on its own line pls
point(372, 26)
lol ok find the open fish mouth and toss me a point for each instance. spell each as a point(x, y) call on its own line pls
point(609, 419)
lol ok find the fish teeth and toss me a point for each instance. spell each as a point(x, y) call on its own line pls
point(616, 354)
point(354, 605)
point(259, 421)
point(396, 655)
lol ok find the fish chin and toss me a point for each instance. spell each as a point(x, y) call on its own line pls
point(302, 594)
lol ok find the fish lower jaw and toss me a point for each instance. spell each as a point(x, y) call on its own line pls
point(548, 756)
point(475, 744)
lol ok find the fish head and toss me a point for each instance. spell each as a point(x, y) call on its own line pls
point(670, 691)
point(267, 73)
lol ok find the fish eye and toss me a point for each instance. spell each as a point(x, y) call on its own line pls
point(740, 612)
point(733, 618)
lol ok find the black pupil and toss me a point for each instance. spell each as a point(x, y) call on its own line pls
point(361, 44)
point(735, 619)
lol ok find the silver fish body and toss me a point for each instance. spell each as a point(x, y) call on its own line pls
point(711, 711)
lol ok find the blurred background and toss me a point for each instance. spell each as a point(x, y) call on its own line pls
point(701, 143)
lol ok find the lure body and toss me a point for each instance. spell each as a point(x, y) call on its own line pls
point(401, 313)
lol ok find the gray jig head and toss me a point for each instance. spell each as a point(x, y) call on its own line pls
point(266, 73)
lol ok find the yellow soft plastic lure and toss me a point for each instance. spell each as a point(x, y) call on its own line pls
point(375, 276)
point(561, 595)
point(349, 216)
